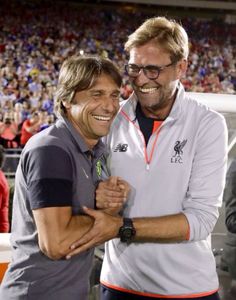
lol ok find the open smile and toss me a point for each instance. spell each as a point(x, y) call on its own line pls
point(102, 118)
point(148, 90)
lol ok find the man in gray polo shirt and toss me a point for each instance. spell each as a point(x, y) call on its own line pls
point(57, 175)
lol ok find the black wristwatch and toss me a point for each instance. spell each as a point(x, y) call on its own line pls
point(127, 230)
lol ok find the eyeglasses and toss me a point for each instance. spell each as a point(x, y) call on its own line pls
point(150, 71)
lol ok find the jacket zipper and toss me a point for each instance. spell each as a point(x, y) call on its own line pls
point(147, 159)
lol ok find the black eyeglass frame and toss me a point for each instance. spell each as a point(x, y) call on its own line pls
point(144, 68)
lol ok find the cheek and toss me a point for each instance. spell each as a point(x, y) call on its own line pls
point(77, 111)
point(166, 83)
point(117, 105)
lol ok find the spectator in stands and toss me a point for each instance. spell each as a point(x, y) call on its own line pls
point(47, 102)
point(18, 119)
point(26, 109)
point(8, 131)
point(4, 196)
point(17, 114)
point(30, 127)
point(48, 121)
point(59, 171)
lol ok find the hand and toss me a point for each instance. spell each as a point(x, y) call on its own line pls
point(112, 193)
point(105, 227)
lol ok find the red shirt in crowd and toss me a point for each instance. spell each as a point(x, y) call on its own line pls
point(4, 203)
point(29, 128)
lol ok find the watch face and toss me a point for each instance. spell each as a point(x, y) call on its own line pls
point(127, 231)
point(126, 234)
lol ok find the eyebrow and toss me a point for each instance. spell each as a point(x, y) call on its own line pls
point(102, 90)
point(150, 65)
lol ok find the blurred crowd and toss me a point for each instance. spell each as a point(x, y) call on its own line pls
point(35, 38)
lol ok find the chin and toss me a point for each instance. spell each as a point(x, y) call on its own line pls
point(149, 103)
point(102, 133)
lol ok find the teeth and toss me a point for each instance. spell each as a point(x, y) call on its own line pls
point(148, 90)
point(101, 118)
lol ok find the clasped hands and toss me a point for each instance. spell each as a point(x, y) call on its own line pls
point(111, 195)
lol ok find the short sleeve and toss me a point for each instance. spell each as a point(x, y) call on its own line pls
point(48, 172)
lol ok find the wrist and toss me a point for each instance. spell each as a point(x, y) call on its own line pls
point(119, 223)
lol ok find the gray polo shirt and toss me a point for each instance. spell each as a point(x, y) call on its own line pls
point(55, 169)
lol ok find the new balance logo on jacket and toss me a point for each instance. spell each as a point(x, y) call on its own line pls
point(121, 148)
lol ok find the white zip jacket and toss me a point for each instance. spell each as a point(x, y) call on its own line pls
point(182, 170)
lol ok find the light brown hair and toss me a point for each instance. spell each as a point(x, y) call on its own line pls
point(167, 34)
point(79, 73)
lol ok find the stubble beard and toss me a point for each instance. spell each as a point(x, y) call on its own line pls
point(162, 101)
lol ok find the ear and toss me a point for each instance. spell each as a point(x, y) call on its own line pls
point(182, 68)
point(66, 105)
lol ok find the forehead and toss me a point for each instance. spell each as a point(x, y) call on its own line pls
point(149, 54)
point(104, 82)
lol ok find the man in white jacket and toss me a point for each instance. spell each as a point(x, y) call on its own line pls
point(173, 152)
